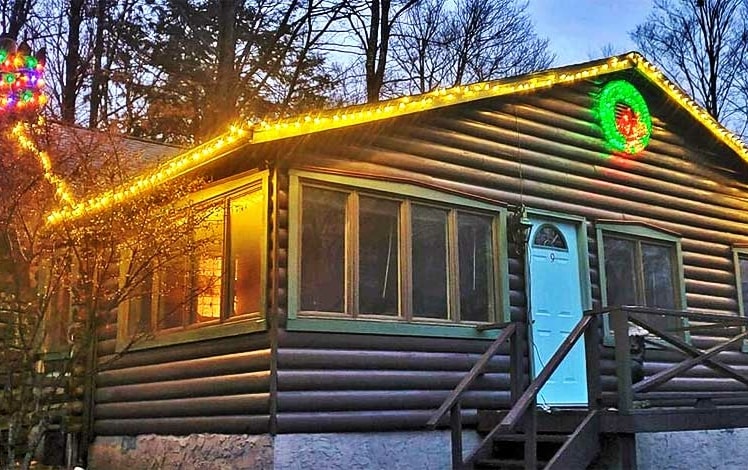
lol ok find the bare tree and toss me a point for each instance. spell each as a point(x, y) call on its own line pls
point(62, 284)
point(494, 38)
point(371, 23)
point(703, 45)
point(475, 40)
point(420, 47)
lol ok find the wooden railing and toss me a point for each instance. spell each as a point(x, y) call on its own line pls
point(452, 403)
point(523, 410)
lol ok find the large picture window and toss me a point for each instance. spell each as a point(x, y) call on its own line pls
point(370, 254)
point(218, 276)
point(642, 267)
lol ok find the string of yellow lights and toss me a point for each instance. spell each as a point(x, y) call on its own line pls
point(266, 131)
point(20, 132)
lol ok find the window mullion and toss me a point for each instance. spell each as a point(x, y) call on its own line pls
point(406, 271)
point(352, 255)
point(453, 274)
point(227, 270)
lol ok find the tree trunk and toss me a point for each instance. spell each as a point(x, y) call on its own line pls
point(97, 81)
point(223, 109)
point(72, 62)
point(19, 14)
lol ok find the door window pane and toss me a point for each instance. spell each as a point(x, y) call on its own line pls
point(475, 254)
point(378, 256)
point(323, 250)
point(429, 262)
point(620, 271)
point(246, 226)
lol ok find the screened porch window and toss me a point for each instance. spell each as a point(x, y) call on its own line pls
point(383, 256)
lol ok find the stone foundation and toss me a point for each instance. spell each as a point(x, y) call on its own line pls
point(349, 451)
point(196, 451)
point(723, 449)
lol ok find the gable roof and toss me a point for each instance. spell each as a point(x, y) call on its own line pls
point(273, 130)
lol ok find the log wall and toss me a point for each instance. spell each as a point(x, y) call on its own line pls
point(543, 150)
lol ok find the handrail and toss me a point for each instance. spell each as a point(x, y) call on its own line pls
point(529, 396)
point(468, 380)
point(706, 317)
point(621, 315)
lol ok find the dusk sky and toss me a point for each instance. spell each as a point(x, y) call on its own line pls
point(579, 29)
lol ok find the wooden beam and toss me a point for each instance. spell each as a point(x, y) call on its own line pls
point(493, 326)
point(667, 374)
point(712, 363)
point(468, 380)
point(455, 423)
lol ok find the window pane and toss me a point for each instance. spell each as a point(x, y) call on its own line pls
point(247, 225)
point(323, 250)
point(209, 266)
point(429, 262)
point(378, 256)
point(659, 289)
point(620, 271)
point(476, 267)
point(744, 281)
point(174, 290)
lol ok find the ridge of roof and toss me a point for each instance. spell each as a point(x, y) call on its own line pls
point(271, 130)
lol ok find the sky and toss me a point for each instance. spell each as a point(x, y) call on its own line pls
point(579, 29)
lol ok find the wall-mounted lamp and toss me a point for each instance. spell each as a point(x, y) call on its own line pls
point(518, 228)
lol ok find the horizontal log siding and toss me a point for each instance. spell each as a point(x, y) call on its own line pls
point(219, 386)
point(543, 150)
point(337, 382)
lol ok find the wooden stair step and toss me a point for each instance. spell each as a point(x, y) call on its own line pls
point(504, 464)
point(541, 437)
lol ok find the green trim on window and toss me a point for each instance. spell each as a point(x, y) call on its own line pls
point(736, 254)
point(307, 321)
point(239, 184)
point(349, 325)
point(641, 232)
point(197, 333)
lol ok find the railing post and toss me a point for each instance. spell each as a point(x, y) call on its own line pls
point(517, 375)
point(531, 436)
point(592, 353)
point(455, 422)
point(620, 323)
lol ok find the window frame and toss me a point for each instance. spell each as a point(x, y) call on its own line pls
point(638, 232)
point(740, 251)
point(220, 193)
point(351, 320)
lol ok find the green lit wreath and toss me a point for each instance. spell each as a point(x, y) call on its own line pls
point(624, 117)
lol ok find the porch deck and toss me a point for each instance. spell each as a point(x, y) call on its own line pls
point(634, 406)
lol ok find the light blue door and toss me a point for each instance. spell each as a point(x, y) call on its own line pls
point(555, 293)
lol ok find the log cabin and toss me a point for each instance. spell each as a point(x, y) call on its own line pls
point(545, 271)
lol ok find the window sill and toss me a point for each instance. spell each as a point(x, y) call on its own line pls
point(232, 328)
point(387, 327)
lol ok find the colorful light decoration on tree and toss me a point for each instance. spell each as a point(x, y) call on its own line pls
point(624, 117)
point(21, 73)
